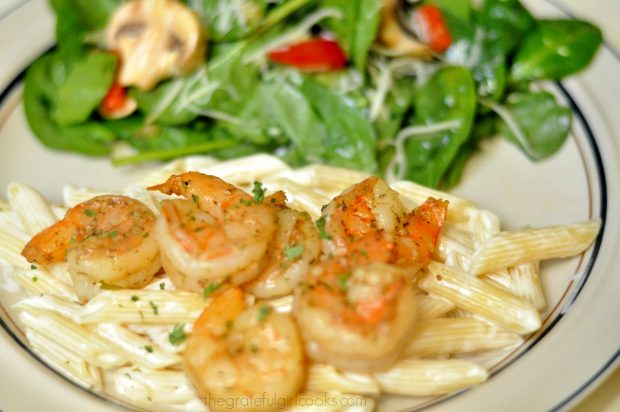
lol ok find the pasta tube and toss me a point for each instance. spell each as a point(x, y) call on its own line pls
point(425, 377)
point(84, 342)
point(326, 378)
point(143, 306)
point(66, 361)
point(139, 350)
point(513, 247)
point(431, 307)
point(439, 337)
point(476, 296)
point(39, 281)
point(147, 388)
point(32, 209)
point(522, 280)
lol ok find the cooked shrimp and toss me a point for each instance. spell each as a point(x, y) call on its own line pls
point(105, 239)
point(239, 354)
point(219, 233)
point(295, 247)
point(362, 210)
point(355, 318)
point(368, 223)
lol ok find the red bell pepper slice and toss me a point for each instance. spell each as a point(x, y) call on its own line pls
point(432, 27)
point(314, 55)
point(115, 99)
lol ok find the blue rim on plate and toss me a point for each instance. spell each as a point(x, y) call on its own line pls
point(576, 290)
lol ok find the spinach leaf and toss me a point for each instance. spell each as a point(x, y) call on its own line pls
point(397, 104)
point(85, 87)
point(535, 122)
point(164, 104)
point(292, 112)
point(449, 97)
point(460, 9)
point(165, 137)
point(555, 49)
point(495, 31)
point(276, 112)
point(43, 80)
point(166, 142)
point(227, 20)
point(357, 29)
point(505, 23)
point(349, 140)
point(75, 19)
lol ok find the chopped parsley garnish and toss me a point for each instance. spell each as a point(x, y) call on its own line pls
point(34, 278)
point(154, 307)
point(263, 312)
point(177, 336)
point(320, 224)
point(293, 252)
point(90, 212)
point(135, 298)
point(210, 289)
point(259, 192)
point(149, 348)
point(245, 202)
point(162, 286)
point(33, 267)
point(343, 281)
point(196, 199)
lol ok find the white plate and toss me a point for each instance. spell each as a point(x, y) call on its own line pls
point(580, 339)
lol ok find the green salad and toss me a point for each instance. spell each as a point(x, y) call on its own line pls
point(406, 90)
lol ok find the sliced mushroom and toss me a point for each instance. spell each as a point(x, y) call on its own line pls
point(156, 39)
point(393, 37)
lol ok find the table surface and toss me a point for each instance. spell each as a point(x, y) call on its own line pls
point(606, 397)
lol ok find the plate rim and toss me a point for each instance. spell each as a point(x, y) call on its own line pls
point(577, 394)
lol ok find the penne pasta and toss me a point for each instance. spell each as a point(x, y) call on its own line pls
point(66, 361)
point(40, 281)
point(332, 179)
point(431, 307)
point(445, 336)
point(511, 248)
point(138, 349)
point(34, 213)
point(455, 248)
point(131, 343)
point(522, 280)
point(82, 341)
point(246, 170)
point(51, 303)
point(325, 378)
point(148, 388)
point(10, 250)
point(483, 224)
point(425, 377)
point(143, 306)
point(475, 295)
